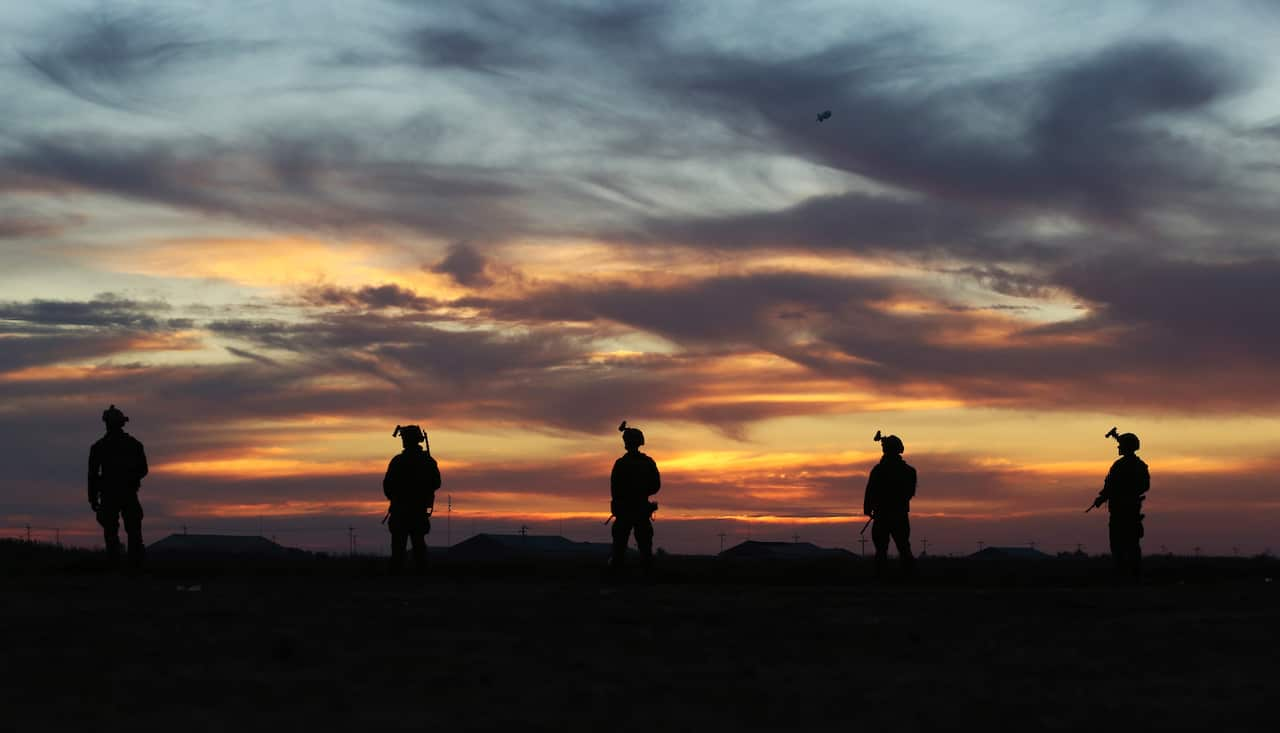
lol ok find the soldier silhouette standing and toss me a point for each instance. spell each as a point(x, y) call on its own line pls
point(633, 480)
point(890, 488)
point(1123, 492)
point(117, 465)
point(411, 483)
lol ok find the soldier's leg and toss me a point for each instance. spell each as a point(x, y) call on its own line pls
point(880, 539)
point(131, 511)
point(902, 539)
point(644, 541)
point(399, 538)
point(1139, 533)
point(109, 518)
point(621, 531)
point(419, 551)
point(1119, 546)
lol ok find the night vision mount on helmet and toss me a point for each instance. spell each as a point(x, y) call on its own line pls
point(631, 436)
point(890, 443)
point(412, 433)
point(1129, 442)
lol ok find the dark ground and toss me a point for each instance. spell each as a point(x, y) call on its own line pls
point(337, 646)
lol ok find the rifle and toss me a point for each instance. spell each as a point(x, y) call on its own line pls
point(871, 519)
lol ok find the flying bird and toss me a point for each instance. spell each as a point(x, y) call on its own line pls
point(824, 115)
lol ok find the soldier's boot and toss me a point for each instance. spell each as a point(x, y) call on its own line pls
point(113, 549)
point(908, 565)
point(420, 558)
point(137, 551)
point(882, 565)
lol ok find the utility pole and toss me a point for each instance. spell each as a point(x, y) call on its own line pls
point(448, 521)
point(1079, 549)
point(57, 536)
point(863, 541)
point(28, 531)
point(524, 531)
point(1031, 544)
point(1197, 550)
point(796, 538)
point(924, 543)
point(722, 536)
point(351, 540)
point(184, 530)
point(980, 544)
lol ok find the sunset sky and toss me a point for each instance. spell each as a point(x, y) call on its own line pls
point(271, 231)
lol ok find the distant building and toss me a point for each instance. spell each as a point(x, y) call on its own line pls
point(221, 545)
point(1009, 553)
point(754, 550)
point(525, 547)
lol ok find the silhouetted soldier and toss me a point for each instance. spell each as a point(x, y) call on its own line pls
point(117, 465)
point(1123, 492)
point(634, 479)
point(890, 488)
point(411, 483)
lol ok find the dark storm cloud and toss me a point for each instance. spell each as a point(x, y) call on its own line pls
point(17, 227)
point(252, 356)
point(323, 182)
point(448, 47)
point(53, 348)
point(855, 223)
point(1157, 330)
point(107, 56)
point(489, 36)
point(1186, 310)
point(41, 332)
point(106, 311)
point(465, 264)
point(725, 309)
point(369, 296)
point(1083, 134)
point(454, 355)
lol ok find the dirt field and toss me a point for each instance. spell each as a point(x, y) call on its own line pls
point(351, 651)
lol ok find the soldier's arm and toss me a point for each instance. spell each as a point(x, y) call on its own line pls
point(388, 480)
point(1109, 483)
point(868, 497)
point(911, 483)
point(656, 484)
point(433, 477)
point(95, 470)
point(615, 481)
point(142, 462)
point(1144, 479)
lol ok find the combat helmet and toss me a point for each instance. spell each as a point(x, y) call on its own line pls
point(113, 417)
point(890, 443)
point(410, 434)
point(1129, 442)
point(631, 437)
